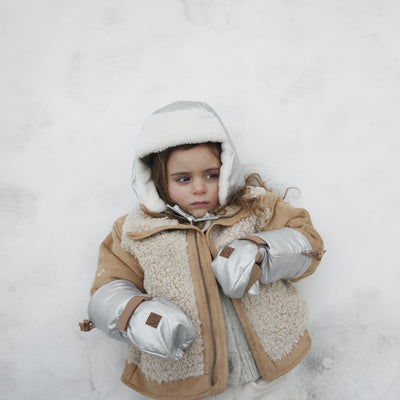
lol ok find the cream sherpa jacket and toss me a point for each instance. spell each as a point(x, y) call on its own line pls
point(165, 257)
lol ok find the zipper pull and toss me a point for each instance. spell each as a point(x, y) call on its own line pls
point(86, 325)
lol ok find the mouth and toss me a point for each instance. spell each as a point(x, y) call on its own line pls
point(199, 204)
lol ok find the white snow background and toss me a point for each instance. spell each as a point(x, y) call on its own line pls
point(310, 91)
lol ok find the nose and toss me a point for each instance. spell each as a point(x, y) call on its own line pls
point(199, 187)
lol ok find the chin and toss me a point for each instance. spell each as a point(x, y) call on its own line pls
point(198, 213)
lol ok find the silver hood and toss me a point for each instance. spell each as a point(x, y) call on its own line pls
point(178, 123)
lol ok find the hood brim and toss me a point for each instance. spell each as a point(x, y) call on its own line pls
point(179, 123)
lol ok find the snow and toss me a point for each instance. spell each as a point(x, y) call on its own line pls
point(310, 91)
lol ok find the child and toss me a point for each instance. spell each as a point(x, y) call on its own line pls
point(197, 280)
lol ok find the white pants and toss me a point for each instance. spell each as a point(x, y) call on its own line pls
point(283, 388)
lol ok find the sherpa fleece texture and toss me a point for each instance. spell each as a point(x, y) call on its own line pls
point(269, 311)
point(164, 257)
point(165, 262)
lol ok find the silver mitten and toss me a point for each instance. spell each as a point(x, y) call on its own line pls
point(288, 254)
point(159, 327)
point(153, 325)
point(107, 304)
point(265, 256)
point(235, 265)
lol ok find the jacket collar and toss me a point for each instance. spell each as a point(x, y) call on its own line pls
point(138, 225)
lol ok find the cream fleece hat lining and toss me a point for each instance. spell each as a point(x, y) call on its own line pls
point(183, 123)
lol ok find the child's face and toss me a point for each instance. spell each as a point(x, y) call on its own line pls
point(193, 177)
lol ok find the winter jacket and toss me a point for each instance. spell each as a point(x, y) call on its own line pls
point(164, 257)
point(170, 258)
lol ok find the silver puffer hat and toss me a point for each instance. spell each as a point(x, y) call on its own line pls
point(178, 123)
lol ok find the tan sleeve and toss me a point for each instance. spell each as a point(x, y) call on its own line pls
point(284, 215)
point(115, 263)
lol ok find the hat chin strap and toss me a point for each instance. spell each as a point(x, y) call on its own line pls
point(191, 218)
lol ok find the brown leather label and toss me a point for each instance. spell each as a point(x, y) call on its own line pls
point(153, 320)
point(227, 251)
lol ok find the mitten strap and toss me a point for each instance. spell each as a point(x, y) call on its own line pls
point(129, 309)
point(254, 276)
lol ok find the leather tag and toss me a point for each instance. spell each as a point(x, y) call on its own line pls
point(227, 251)
point(153, 320)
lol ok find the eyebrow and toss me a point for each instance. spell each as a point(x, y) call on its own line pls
point(187, 173)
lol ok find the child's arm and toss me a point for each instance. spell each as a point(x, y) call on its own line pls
point(288, 248)
point(116, 263)
point(153, 325)
point(122, 311)
point(284, 215)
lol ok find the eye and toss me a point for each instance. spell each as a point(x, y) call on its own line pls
point(212, 175)
point(183, 179)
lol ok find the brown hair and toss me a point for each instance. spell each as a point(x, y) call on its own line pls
point(158, 164)
point(242, 199)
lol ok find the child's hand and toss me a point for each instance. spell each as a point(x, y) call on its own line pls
point(154, 325)
point(236, 268)
point(160, 327)
point(266, 257)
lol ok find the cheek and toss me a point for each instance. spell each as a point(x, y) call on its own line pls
point(176, 193)
point(216, 193)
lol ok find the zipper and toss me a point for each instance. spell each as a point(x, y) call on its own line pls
point(208, 308)
point(191, 218)
point(210, 244)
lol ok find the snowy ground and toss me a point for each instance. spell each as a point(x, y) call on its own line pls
point(309, 89)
